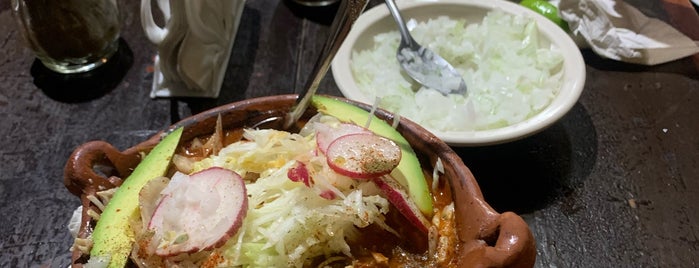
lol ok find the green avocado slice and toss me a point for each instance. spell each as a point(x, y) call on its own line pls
point(112, 237)
point(408, 172)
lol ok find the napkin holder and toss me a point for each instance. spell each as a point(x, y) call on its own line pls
point(199, 65)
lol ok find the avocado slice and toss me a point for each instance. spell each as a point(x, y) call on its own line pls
point(112, 236)
point(408, 172)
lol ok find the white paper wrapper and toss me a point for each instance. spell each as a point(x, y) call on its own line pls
point(619, 31)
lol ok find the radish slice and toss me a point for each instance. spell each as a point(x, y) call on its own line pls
point(299, 173)
point(198, 212)
point(395, 194)
point(363, 155)
point(328, 194)
point(326, 134)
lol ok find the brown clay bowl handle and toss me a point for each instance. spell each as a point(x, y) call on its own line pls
point(506, 242)
point(81, 175)
point(82, 178)
point(514, 245)
point(491, 239)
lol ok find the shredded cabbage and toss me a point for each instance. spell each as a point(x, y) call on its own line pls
point(287, 222)
point(98, 262)
point(510, 77)
point(74, 222)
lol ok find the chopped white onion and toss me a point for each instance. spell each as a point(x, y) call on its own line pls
point(510, 76)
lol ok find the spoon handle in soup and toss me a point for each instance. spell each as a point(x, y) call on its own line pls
point(346, 15)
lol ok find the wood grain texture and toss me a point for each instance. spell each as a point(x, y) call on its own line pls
point(613, 184)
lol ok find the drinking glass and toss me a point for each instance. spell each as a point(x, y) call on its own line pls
point(69, 36)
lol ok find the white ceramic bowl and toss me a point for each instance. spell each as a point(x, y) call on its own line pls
point(378, 20)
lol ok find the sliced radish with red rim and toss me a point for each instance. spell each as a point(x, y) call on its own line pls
point(400, 199)
point(326, 134)
point(363, 155)
point(198, 212)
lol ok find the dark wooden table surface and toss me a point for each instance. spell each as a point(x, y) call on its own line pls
point(615, 183)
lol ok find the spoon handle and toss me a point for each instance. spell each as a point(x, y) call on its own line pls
point(404, 32)
point(346, 15)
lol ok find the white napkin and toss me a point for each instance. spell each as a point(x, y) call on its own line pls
point(194, 63)
point(618, 31)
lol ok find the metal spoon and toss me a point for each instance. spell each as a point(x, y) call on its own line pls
point(347, 14)
point(422, 64)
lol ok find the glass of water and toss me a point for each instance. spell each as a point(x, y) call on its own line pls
point(69, 36)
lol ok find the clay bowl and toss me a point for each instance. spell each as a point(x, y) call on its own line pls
point(488, 238)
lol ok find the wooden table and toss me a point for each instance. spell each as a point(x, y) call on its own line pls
point(615, 183)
